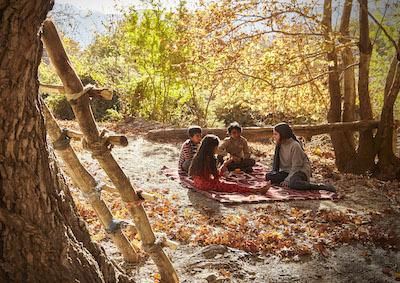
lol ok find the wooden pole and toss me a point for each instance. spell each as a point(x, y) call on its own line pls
point(95, 92)
point(262, 133)
point(119, 140)
point(83, 113)
point(87, 184)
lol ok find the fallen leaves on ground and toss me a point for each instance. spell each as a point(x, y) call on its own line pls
point(288, 233)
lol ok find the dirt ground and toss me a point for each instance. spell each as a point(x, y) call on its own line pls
point(354, 239)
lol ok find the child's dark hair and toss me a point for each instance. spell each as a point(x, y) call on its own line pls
point(234, 126)
point(285, 133)
point(192, 130)
point(204, 162)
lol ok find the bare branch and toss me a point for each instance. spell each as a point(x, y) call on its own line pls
point(303, 82)
point(384, 31)
point(383, 17)
point(282, 86)
point(272, 15)
point(254, 77)
point(292, 85)
point(249, 36)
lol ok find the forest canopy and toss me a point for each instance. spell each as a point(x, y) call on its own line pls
point(254, 62)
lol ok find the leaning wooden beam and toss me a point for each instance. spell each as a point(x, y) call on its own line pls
point(95, 92)
point(119, 140)
point(141, 194)
point(90, 188)
point(100, 150)
point(262, 133)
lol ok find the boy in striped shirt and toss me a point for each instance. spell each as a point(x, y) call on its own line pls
point(189, 149)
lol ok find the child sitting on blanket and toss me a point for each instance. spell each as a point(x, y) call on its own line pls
point(291, 166)
point(189, 149)
point(206, 175)
point(236, 146)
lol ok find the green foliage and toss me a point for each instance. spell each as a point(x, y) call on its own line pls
point(102, 109)
point(380, 62)
point(139, 60)
point(59, 106)
point(47, 74)
point(58, 103)
point(250, 114)
point(112, 115)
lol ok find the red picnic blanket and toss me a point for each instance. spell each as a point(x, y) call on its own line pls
point(254, 180)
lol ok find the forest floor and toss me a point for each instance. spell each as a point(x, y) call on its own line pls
point(354, 239)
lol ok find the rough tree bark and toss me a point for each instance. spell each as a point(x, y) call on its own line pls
point(42, 239)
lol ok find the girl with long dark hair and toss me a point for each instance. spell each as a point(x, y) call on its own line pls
point(291, 166)
point(206, 175)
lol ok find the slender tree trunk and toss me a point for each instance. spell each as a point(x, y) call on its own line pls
point(42, 239)
point(349, 81)
point(349, 89)
point(349, 102)
point(365, 153)
point(344, 150)
point(388, 166)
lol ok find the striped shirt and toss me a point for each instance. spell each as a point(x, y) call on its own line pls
point(188, 150)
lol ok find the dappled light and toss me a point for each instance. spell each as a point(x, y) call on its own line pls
point(199, 141)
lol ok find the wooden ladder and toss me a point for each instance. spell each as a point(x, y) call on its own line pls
point(100, 146)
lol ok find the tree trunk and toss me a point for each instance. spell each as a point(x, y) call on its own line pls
point(42, 239)
point(365, 153)
point(349, 89)
point(349, 85)
point(388, 166)
point(349, 79)
point(344, 150)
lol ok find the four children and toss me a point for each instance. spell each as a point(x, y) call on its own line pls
point(291, 166)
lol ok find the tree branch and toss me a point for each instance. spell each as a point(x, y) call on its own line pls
point(385, 32)
point(292, 85)
point(249, 36)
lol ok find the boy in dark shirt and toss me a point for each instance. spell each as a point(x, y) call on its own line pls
point(236, 146)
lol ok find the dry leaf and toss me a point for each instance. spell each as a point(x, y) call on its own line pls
point(321, 249)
